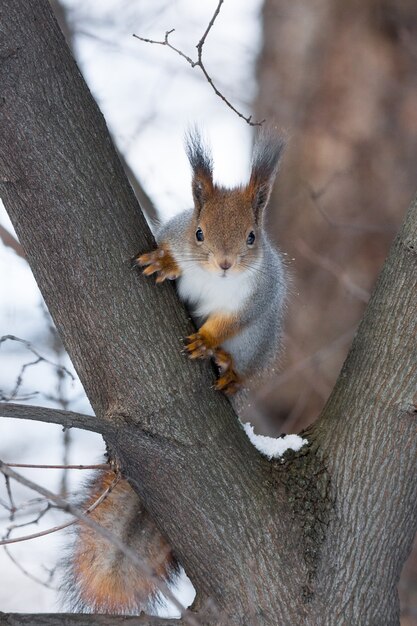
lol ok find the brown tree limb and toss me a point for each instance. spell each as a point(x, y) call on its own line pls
point(146, 204)
point(68, 619)
point(67, 419)
point(11, 242)
point(368, 433)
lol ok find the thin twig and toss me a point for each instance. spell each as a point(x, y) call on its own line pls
point(37, 519)
point(39, 359)
point(333, 268)
point(42, 533)
point(199, 62)
point(26, 572)
point(99, 466)
point(12, 507)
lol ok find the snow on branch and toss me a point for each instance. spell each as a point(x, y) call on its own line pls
point(272, 447)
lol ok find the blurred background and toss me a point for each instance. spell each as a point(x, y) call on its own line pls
point(341, 79)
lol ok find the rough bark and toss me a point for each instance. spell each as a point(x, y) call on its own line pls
point(270, 544)
point(146, 204)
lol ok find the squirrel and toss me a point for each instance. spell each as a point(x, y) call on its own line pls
point(226, 269)
point(234, 282)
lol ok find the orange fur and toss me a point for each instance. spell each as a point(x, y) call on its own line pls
point(229, 382)
point(205, 344)
point(212, 334)
point(226, 229)
point(107, 581)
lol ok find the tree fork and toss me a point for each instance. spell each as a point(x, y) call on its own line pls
point(268, 543)
point(179, 443)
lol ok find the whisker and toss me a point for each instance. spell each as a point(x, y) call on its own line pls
point(253, 268)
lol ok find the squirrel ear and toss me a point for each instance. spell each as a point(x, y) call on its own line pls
point(201, 162)
point(266, 157)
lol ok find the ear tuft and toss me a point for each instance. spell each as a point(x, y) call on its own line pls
point(267, 152)
point(201, 161)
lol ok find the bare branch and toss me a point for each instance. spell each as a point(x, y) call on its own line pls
point(68, 619)
point(11, 242)
point(68, 419)
point(12, 508)
point(98, 466)
point(26, 572)
point(333, 268)
point(61, 370)
point(201, 43)
point(199, 62)
point(42, 533)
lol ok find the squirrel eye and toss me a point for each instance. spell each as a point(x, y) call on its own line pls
point(251, 238)
point(199, 235)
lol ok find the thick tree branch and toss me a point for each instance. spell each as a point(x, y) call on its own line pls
point(368, 435)
point(67, 619)
point(178, 442)
point(68, 419)
point(146, 204)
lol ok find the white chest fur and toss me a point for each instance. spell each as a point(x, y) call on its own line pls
point(208, 292)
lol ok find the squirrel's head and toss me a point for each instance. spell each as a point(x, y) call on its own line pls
point(226, 233)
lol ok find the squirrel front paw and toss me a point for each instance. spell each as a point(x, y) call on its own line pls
point(160, 262)
point(199, 346)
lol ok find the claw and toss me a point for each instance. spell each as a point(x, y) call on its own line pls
point(142, 259)
point(159, 262)
point(229, 383)
point(151, 269)
point(198, 346)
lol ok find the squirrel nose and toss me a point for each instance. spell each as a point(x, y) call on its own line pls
point(225, 265)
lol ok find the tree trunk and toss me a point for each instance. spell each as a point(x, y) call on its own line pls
point(307, 541)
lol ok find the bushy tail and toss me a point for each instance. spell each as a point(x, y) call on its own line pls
point(99, 577)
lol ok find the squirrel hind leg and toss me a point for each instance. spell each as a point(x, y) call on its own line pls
point(229, 381)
